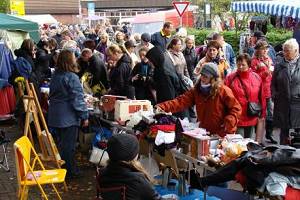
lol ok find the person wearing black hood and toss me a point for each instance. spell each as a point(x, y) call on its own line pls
point(119, 75)
point(43, 58)
point(167, 83)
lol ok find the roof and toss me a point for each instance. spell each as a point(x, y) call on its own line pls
point(9, 22)
point(40, 19)
point(288, 8)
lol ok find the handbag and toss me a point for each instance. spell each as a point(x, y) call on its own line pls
point(253, 108)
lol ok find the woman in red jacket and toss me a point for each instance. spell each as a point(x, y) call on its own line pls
point(217, 109)
point(246, 87)
point(262, 64)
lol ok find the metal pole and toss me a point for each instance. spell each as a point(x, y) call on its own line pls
point(181, 21)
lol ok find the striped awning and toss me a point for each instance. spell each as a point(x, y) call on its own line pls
point(276, 7)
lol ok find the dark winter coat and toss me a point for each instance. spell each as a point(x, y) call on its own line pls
point(43, 63)
point(167, 83)
point(143, 85)
point(119, 78)
point(22, 53)
point(83, 66)
point(256, 165)
point(97, 68)
point(286, 96)
point(160, 40)
point(137, 186)
point(191, 61)
point(34, 77)
point(66, 106)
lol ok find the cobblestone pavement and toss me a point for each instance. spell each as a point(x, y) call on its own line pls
point(81, 188)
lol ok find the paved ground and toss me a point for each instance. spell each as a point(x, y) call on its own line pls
point(83, 188)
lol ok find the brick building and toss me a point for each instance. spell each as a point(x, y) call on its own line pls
point(65, 11)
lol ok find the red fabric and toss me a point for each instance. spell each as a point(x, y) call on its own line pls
point(7, 100)
point(11, 98)
point(241, 178)
point(254, 88)
point(261, 66)
point(164, 128)
point(292, 194)
point(4, 108)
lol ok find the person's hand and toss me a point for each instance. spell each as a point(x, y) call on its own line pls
point(136, 77)
point(85, 123)
point(159, 110)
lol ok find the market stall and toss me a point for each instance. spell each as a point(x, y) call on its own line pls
point(11, 23)
point(286, 8)
point(180, 147)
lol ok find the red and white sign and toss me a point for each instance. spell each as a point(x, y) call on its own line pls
point(181, 6)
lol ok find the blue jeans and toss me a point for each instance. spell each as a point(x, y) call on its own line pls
point(66, 138)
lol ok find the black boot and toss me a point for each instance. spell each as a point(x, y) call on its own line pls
point(269, 130)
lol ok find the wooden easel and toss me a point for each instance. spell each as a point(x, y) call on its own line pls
point(33, 108)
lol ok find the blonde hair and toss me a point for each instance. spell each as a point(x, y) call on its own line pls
point(136, 165)
point(215, 86)
point(113, 49)
point(69, 44)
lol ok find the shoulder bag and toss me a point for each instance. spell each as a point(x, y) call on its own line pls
point(253, 108)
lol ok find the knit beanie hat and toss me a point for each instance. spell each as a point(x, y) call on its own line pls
point(210, 69)
point(146, 37)
point(122, 147)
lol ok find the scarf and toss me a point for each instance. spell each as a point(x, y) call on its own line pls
point(204, 89)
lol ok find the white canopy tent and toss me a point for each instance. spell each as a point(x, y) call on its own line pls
point(40, 19)
point(287, 8)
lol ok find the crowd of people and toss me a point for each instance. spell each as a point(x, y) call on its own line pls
point(226, 93)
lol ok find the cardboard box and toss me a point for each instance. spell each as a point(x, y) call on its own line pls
point(199, 142)
point(124, 109)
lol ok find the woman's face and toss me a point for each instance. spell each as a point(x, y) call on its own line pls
point(242, 65)
point(190, 44)
point(103, 39)
point(33, 52)
point(212, 52)
point(205, 79)
point(289, 53)
point(114, 57)
point(177, 46)
point(263, 52)
point(143, 56)
point(120, 36)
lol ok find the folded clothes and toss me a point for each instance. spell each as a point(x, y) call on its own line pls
point(164, 138)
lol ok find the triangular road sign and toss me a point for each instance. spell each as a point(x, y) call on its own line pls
point(181, 6)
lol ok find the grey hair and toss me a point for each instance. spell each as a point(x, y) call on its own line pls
point(291, 44)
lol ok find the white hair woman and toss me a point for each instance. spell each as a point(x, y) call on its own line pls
point(286, 91)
